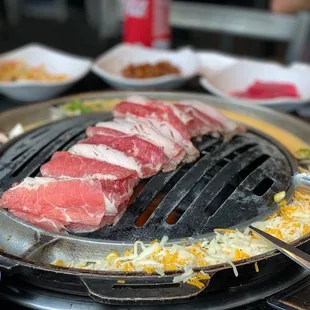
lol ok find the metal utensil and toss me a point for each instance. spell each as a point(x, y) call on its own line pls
point(300, 257)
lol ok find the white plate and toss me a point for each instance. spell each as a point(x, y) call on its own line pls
point(222, 74)
point(110, 64)
point(55, 62)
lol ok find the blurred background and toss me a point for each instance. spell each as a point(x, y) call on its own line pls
point(277, 30)
point(89, 27)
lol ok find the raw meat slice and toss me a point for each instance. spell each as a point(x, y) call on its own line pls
point(128, 152)
point(164, 106)
point(66, 200)
point(116, 192)
point(107, 154)
point(211, 116)
point(106, 220)
point(173, 151)
point(148, 156)
point(164, 119)
point(198, 126)
point(117, 182)
point(65, 164)
point(40, 221)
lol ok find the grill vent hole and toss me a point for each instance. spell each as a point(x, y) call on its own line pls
point(17, 171)
point(213, 147)
point(263, 187)
point(59, 148)
point(177, 212)
point(228, 189)
point(148, 211)
point(23, 148)
point(146, 214)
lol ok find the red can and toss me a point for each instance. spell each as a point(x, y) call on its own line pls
point(147, 23)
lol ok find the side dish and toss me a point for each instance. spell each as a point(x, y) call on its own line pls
point(16, 70)
point(142, 71)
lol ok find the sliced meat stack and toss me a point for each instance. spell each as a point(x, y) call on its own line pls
point(166, 118)
point(147, 158)
point(174, 152)
point(90, 185)
point(117, 181)
point(207, 119)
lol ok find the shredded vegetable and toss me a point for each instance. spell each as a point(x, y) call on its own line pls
point(291, 222)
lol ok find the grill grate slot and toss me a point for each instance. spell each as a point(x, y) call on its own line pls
point(45, 152)
point(263, 187)
point(230, 183)
point(229, 188)
point(189, 186)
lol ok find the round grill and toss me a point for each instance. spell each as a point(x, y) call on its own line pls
point(230, 183)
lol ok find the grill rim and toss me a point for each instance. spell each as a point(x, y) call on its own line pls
point(53, 237)
point(24, 265)
point(16, 261)
point(36, 111)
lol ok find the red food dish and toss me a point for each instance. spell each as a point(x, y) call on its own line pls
point(268, 90)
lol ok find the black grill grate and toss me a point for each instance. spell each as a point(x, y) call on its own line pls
point(230, 183)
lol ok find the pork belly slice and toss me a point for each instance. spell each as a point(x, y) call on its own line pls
point(148, 156)
point(164, 118)
point(118, 183)
point(80, 201)
point(208, 119)
point(48, 224)
point(172, 150)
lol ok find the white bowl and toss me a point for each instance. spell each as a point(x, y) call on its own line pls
point(222, 74)
point(110, 64)
point(55, 62)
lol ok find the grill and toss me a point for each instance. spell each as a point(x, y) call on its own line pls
point(231, 184)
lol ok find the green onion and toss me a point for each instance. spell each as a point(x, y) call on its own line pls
point(77, 106)
point(85, 110)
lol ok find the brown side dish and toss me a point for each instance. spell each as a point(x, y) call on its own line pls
point(143, 71)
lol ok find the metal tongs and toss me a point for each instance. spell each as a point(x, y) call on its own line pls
point(300, 257)
point(300, 181)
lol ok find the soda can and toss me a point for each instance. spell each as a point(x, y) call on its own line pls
point(146, 22)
